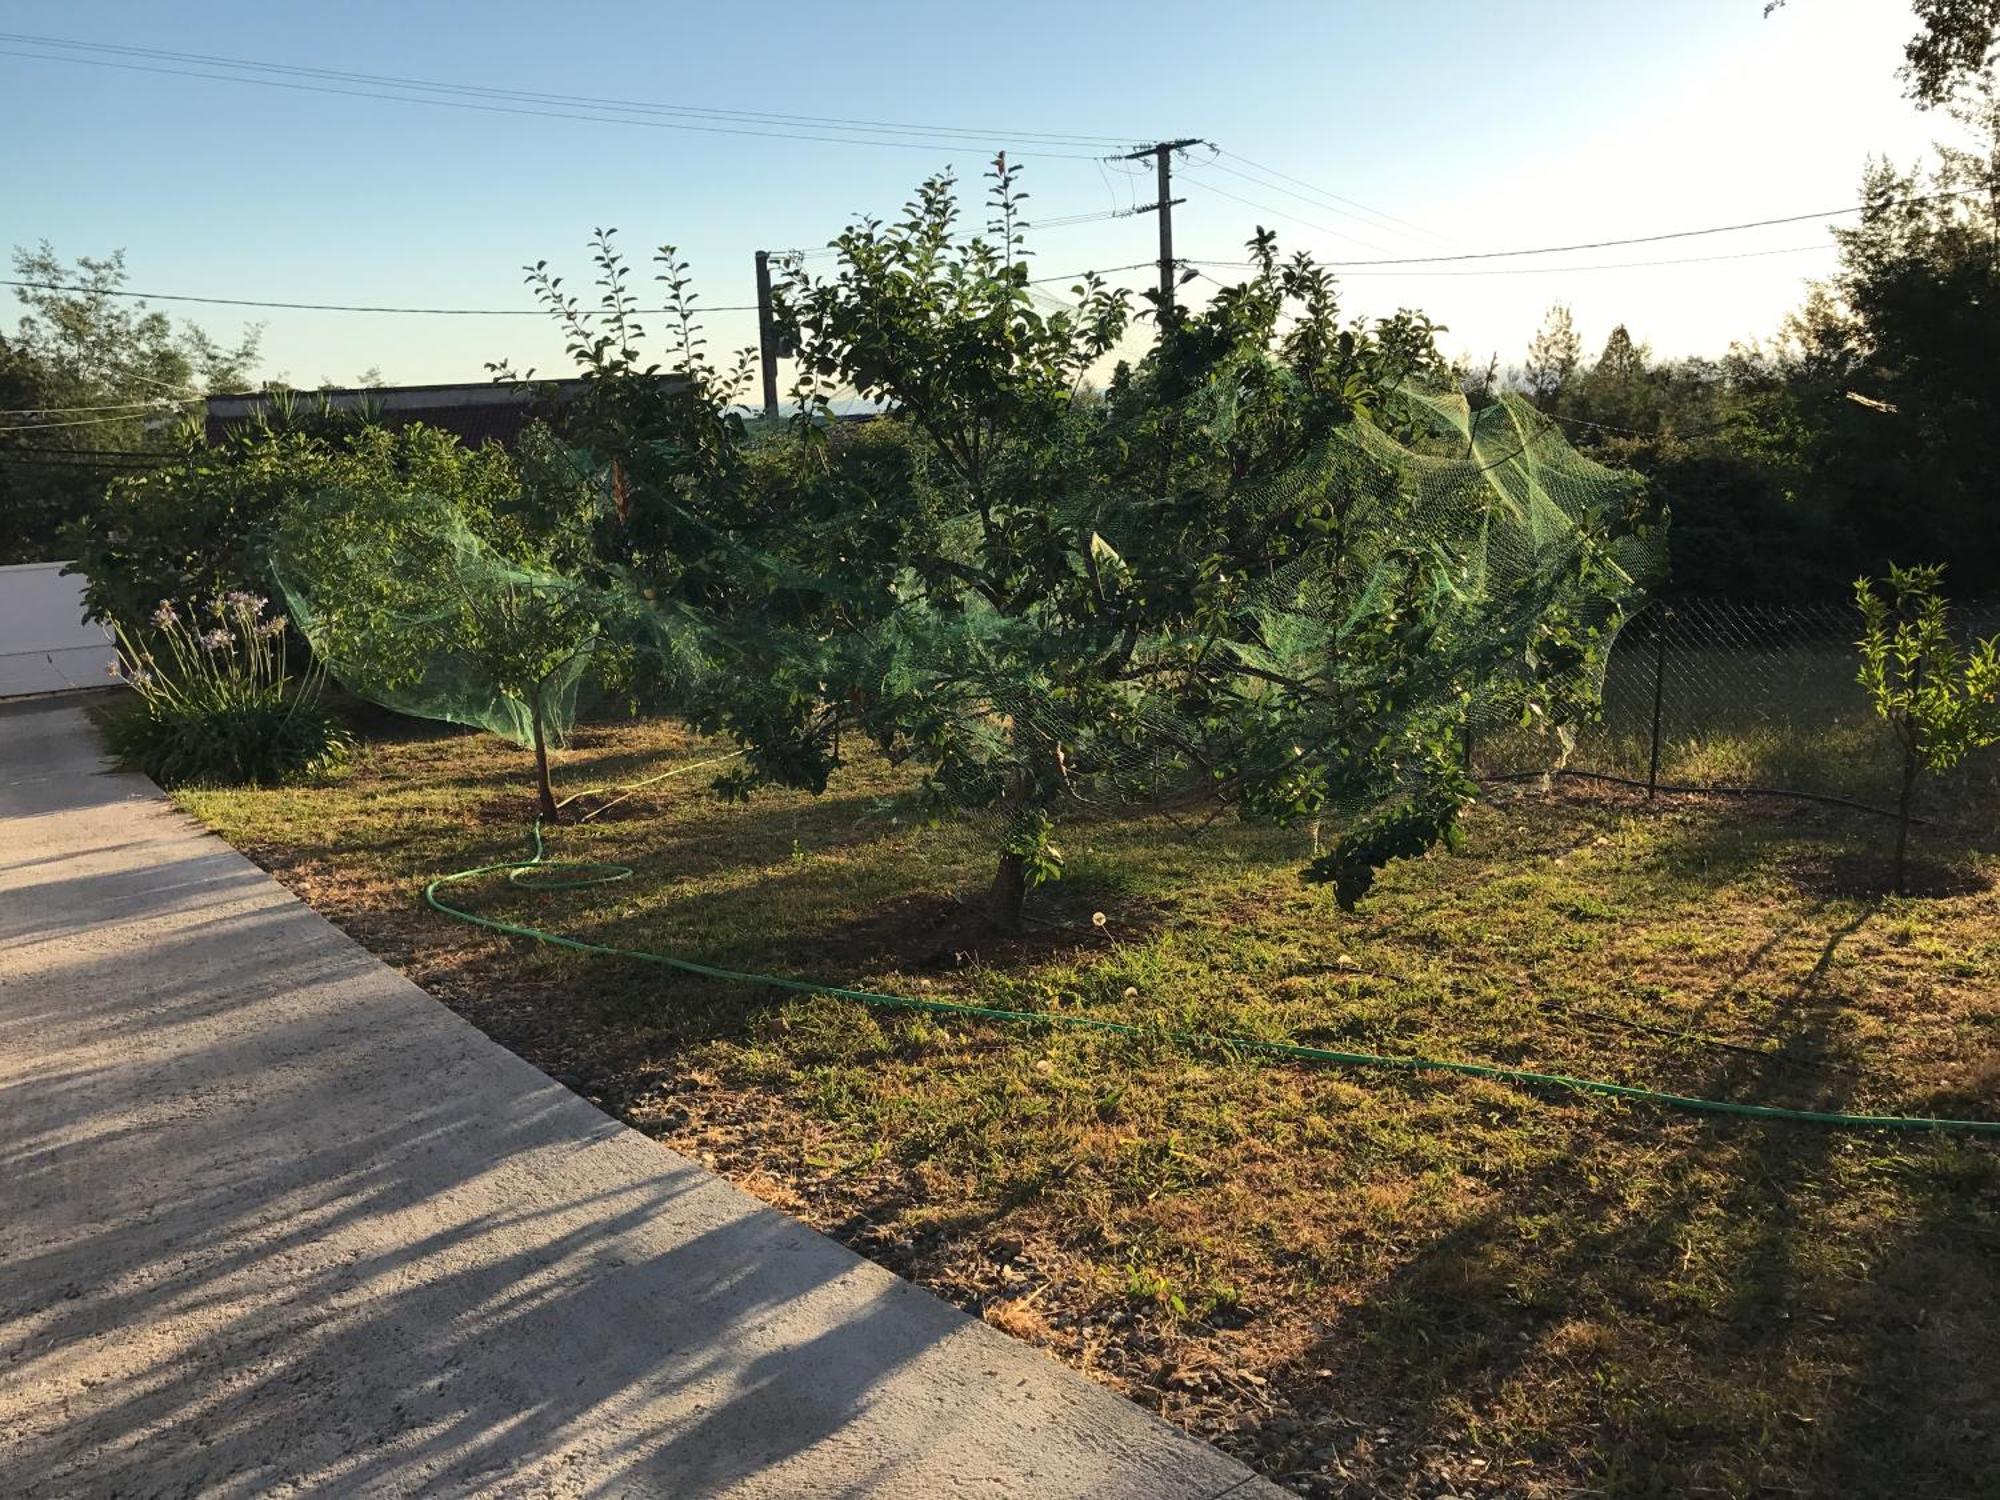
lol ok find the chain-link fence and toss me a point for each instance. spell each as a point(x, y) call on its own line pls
point(1712, 695)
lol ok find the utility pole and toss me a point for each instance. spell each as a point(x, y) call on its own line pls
point(1163, 155)
point(767, 334)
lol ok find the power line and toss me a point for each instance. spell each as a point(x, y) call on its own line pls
point(1137, 265)
point(1624, 265)
point(448, 312)
point(1209, 187)
point(442, 312)
point(245, 71)
point(125, 406)
point(518, 312)
point(831, 122)
point(508, 109)
point(1063, 222)
point(78, 422)
point(1220, 166)
point(1620, 265)
point(1642, 239)
point(1068, 219)
point(1377, 213)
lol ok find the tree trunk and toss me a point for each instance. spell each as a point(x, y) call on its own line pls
point(1903, 817)
point(545, 797)
point(1010, 888)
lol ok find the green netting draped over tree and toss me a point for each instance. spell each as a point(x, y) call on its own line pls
point(1266, 568)
point(409, 607)
point(1476, 577)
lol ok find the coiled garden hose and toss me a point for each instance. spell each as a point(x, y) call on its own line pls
point(572, 875)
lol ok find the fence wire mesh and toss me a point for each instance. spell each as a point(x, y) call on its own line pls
point(1716, 695)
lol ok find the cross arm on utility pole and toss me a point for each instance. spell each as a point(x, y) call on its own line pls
point(1180, 145)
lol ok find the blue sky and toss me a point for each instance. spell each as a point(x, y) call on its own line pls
point(1490, 125)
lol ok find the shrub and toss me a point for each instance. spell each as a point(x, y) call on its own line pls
point(1942, 702)
point(217, 705)
point(201, 526)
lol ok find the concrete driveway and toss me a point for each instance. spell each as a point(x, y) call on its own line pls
point(274, 1222)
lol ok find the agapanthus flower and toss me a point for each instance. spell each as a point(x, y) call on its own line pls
point(273, 626)
point(216, 639)
point(164, 615)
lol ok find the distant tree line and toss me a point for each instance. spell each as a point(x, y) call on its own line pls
point(1867, 432)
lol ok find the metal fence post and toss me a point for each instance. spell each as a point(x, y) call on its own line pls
point(1659, 695)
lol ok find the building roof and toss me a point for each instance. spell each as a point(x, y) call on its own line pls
point(477, 412)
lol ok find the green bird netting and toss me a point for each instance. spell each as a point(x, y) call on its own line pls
point(1469, 572)
point(408, 607)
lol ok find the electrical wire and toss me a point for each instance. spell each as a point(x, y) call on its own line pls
point(767, 117)
point(1137, 265)
point(1068, 219)
point(460, 312)
point(440, 312)
point(1643, 239)
point(521, 312)
point(1348, 267)
point(1221, 166)
point(78, 422)
point(1625, 265)
point(1208, 187)
point(1622, 265)
point(42, 411)
point(1388, 218)
point(507, 109)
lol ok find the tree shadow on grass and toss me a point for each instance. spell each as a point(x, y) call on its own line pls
point(1863, 874)
point(801, 923)
point(1669, 1303)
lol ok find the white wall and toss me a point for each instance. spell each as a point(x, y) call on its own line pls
point(45, 643)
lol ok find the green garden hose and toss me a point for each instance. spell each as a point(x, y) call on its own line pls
point(571, 875)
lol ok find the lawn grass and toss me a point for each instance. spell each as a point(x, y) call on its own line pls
point(1360, 1282)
